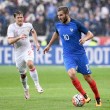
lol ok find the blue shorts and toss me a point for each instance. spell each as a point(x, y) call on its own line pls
point(78, 62)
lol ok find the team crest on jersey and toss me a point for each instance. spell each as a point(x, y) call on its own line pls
point(71, 29)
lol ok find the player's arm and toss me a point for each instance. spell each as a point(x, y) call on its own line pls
point(12, 40)
point(83, 29)
point(88, 36)
point(54, 37)
point(34, 34)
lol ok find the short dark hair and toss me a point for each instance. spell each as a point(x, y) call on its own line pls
point(18, 12)
point(64, 9)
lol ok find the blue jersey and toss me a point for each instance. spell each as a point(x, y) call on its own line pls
point(70, 34)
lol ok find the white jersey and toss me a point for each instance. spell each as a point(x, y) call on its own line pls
point(21, 45)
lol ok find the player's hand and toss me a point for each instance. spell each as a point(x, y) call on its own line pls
point(32, 31)
point(46, 49)
point(82, 41)
point(22, 36)
point(38, 46)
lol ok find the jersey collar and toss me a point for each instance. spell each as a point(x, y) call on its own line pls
point(18, 25)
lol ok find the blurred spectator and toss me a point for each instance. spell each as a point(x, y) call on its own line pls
point(40, 26)
point(94, 14)
point(51, 29)
point(30, 16)
point(2, 30)
point(51, 13)
point(40, 10)
point(107, 30)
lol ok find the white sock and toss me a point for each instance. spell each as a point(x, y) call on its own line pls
point(24, 83)
point(34, 75)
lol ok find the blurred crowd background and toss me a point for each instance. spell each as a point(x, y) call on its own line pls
point(94, 14)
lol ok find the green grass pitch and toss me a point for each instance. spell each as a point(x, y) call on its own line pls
point(58, 90)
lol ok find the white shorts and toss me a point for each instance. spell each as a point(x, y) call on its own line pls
point(23, 59)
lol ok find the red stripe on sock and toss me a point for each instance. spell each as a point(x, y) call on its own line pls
point(32, 69)
point(78, 86)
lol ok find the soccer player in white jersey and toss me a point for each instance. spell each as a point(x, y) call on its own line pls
point(18, 35)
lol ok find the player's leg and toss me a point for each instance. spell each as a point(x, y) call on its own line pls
point(94, 88)
point(70, 64)
point(83, 67)
point(75, 81)
point(21, 66)
point(34, 75)
point(29, 57)
point(23, 79)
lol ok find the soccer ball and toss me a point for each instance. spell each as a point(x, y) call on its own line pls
point(78, 100)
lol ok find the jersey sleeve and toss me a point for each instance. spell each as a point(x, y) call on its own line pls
point(82, 28)
point(30, 26)
point(10, 31)
point(56, 30)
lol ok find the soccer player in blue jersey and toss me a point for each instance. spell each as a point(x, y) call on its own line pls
point(74, 55)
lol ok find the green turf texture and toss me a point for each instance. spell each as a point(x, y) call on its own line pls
point(58, 90)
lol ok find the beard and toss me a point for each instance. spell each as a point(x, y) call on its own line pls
point(65, 20)
point(20, 23)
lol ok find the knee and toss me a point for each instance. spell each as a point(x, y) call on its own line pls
point(23, 76)
point(72, 73)
point(87, 78)
point(30, 65)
